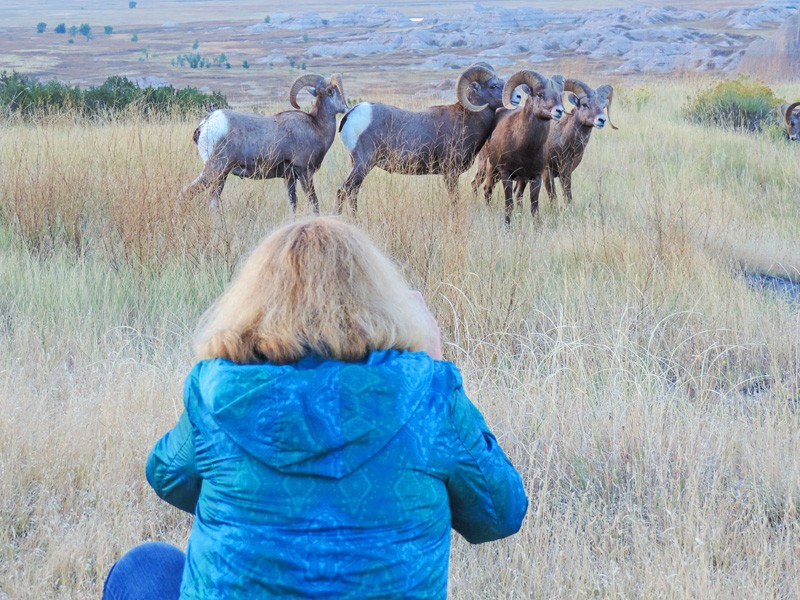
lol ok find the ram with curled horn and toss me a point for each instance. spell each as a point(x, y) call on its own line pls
point(790, 117)
point(441, 139)
point(515, 150)
point(289, 145)
point(568, 138)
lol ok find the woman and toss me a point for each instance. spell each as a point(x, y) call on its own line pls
point(325, 449)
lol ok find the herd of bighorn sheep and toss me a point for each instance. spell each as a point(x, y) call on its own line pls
point(518, 129)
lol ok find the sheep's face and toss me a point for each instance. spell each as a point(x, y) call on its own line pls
point(332, 93)
point(546, 102)
point(590, 110)
point(793, 125)
point(489, 92)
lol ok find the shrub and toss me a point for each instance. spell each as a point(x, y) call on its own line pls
point(135, 37)
point(245, 64)
point(61, 28)
point(108, 30)
point(85, 30)
point(40, 27)
point(131, 4)
point(193, 60)
point(25, 96)
point(738, 104)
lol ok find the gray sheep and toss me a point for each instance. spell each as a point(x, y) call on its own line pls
point(515, 149)
point(290, 145)
point(568, 138)
point(439, 140)
point(790, 115)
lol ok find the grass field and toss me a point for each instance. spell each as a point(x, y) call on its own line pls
point(647, 394)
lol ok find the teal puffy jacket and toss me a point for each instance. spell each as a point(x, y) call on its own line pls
point(331, 479)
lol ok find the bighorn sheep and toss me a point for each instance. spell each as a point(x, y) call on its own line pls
point(515, 149)
point(289, 145)
point(790, 114)
point(567, 138)
point(439, 140)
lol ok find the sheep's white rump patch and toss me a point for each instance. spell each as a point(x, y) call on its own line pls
point(212, 130)
point(358, 120)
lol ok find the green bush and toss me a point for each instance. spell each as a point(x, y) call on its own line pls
point(738, 104)
point(40, 27)
point(108, 30)
point(61, 28)
point(21, 95)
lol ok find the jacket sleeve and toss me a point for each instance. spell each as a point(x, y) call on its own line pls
point(171, 468)
point(487, 498)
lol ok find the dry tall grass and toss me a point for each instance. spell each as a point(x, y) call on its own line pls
point(648, 395)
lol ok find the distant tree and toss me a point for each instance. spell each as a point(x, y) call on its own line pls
point(245, 64)
point(266, 19)
point(305, 38)
point(71, 40)
point(108, 30)
point(86, 30)
point(135, 37)
point(73, 31)
point(196, 45)
point(303, 66)
point(60, 28)
point(40, 27)
point(131, 4)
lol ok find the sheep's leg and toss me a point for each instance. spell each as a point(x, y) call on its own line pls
point(489, 180)
point(198, 184)
point(480, 177)
point(519, 189)
point(349, 189)
point(291, 186)
point(307, 181)
point(216, 191)
point(213, 175)
point(566, 187)
point(536, 185)
point(451, 183)
point(508, 190)
point(550, 185)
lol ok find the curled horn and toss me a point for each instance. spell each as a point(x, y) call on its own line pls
point(607, 92)
point(787, 114)
point(535, 81)
point(301, 82)
point(336, 79)
point(577, 87)
point(480, 72)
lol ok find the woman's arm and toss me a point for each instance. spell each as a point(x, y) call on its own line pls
point(171, 468)
point(487, 498)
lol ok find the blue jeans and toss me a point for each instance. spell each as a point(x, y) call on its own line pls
point(150, 571)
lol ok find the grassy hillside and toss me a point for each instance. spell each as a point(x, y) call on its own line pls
point(646, 392)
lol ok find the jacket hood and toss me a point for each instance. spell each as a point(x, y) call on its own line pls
point(317, 416)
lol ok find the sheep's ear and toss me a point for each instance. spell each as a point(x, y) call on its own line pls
point(574, 99)
point(475, 86)
point(312, 91)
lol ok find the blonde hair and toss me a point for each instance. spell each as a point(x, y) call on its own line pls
point(316, 286)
